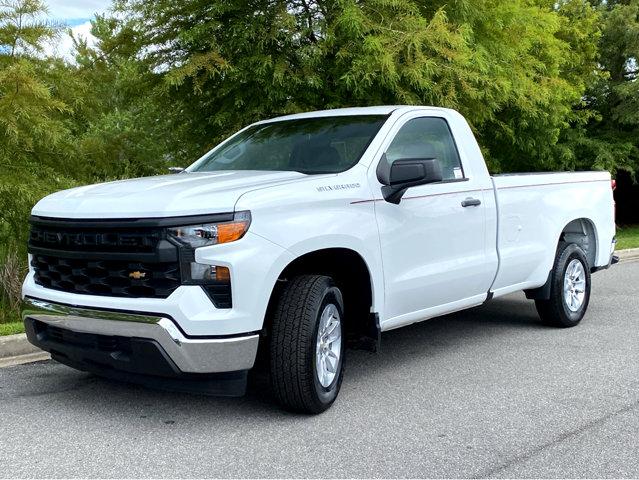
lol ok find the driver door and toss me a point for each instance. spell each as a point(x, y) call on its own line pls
point(433, 243)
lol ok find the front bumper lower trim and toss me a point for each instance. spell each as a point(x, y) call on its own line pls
point(190, 355)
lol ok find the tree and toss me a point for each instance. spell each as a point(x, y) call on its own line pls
point(34, 137)
point(611, 139)
point(21, 30)
point(64, 124)
point(515, 68)
point(119, 124)
point(28, 111)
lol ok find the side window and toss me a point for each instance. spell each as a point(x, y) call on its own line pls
point(427, 137)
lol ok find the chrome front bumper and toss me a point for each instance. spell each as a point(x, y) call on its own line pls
point(190, 355)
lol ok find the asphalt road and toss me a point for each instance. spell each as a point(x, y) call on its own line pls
point(483, 393)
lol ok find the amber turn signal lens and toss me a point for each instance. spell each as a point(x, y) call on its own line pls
point(222, 274)
point(229, 232)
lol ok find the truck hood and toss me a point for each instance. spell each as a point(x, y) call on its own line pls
point(161, 196)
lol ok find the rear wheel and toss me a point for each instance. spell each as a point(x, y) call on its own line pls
point(570, 289)
point(307, 344)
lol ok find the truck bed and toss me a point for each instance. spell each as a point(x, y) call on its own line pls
point(525, 230)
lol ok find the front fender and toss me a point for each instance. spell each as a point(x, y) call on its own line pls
point(307, 215)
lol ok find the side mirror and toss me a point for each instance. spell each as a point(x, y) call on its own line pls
point(176, 169)
point(405, 173)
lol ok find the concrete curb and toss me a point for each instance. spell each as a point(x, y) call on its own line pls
point(628, 254)
point(16, 349)
point(27, 358)
point(15, 345)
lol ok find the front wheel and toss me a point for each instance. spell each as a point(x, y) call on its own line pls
point(307, 344)
point(569, 290)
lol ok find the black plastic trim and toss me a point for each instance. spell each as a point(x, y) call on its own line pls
point(159, 256)
point(219, 304)
point(451, 180)
point(132, 222)
point(375, 333)
point(369, 338)
point(614, 259)
point(134, 360)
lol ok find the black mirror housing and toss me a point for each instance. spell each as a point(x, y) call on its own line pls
point(415, 171)
point(405, 173)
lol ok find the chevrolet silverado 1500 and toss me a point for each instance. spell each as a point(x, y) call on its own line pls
point(299, 236)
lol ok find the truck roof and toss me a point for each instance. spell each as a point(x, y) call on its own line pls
point(375, 110)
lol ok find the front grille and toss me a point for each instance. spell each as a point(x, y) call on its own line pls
point(115, 278)
point(103, 258)
point(116, 258)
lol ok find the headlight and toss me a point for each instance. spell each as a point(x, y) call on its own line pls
point(213, 233)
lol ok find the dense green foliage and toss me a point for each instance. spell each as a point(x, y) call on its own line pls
point(545, 84)
point(611, 139)
point(515, 69)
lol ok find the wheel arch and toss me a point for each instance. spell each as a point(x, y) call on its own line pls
point(583, 232)
point(580, 231)
point(353, 275)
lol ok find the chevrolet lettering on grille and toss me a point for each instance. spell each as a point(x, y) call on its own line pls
point(68, 239)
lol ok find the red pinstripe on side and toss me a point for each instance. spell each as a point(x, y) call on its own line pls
point(479, 190)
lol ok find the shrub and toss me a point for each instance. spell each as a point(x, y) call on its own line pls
point(12, 273)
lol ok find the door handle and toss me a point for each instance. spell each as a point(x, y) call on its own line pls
point(471, 202)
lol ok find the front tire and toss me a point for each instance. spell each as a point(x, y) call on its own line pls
point(307, 344)
point(569, 291)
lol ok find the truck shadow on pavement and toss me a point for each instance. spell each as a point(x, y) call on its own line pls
point(402, 350)
point(503, 318)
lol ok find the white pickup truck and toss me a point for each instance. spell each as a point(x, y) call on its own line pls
point(300, 236)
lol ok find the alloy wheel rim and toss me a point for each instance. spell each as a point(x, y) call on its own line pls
point(574, 285)
point(329, 345)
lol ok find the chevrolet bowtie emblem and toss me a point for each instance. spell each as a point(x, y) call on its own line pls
point(137, 275)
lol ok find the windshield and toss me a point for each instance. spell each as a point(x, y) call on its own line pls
point(310, 145)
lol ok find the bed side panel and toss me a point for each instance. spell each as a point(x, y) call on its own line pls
point(533, 211)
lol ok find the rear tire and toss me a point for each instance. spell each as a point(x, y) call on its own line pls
point(307, 344)
point(569, 290)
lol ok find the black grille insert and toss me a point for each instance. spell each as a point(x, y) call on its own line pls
point(119, 278)
point(117, 258)
point(110, 259)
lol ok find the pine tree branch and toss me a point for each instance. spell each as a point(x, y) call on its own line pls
point(309, 19)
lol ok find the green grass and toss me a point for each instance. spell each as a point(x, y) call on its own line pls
point(10, 322)
point(11, 328)
point(627, 237)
